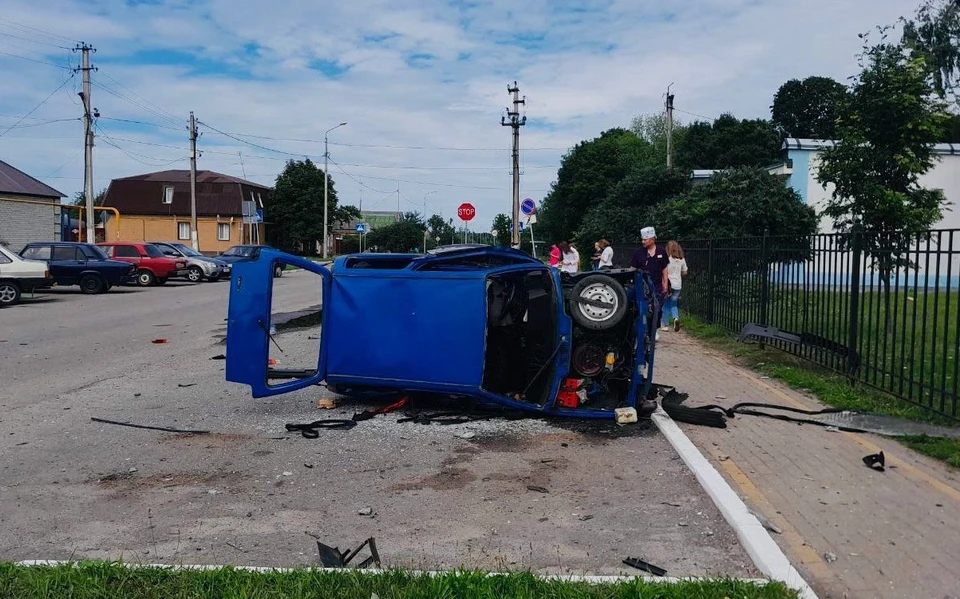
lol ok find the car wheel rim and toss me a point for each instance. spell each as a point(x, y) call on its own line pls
point(7, 294)
point(194, 275)
point(602, 293)
point(144, 279)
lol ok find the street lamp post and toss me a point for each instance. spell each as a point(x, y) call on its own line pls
point(326, 178)
point(425, 218)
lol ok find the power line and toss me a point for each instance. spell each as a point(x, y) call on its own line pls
point(250, 143)
point(133, 155)
point(65, 163)
point(27, 29)
point(44, 101)
point(361, 183)
point(59, 66)
point(135, 122)
point(693, 114)
point(162, 113)
point(27, 39)
point(132, 101)
point(49, 122)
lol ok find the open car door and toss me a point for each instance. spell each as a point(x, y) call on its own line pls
point(249, 326)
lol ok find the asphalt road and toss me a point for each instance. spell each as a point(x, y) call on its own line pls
point(439, 496)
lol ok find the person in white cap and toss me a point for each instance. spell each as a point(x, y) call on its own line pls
point(653, 260)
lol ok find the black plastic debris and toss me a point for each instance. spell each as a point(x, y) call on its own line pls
point(219, 357)
point(639, 564)
point(186, 385)
point(152, 428)
point(332, 557)
point(875, 461)
point(537, 489)
point(311, 430)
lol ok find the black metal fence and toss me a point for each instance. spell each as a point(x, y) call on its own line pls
point(883, 309)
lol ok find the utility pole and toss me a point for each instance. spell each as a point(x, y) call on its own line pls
point(514, 120)
point(326, 185)
point(669, 106)
point(85, 68)
point(398, 199)
point(194, 238)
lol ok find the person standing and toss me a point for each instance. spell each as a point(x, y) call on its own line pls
point(606, 255)
point(555, 256)
point(652, 259)
point(571, 258)
point(676, 270)
point(595, 258)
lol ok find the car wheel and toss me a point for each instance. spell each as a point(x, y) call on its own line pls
point(145, 278)
point(194, 274)
point(161, 280)
point(598, 288)
point(91, 284)
point(278, 270)
point(9, 293)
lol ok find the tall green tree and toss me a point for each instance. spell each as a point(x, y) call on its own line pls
point(406, 235)
point(933, 35)
point(587, 174)
point(728, 142)
point(441, 231)
point(503, 225)
point(652, 128)
point(885, 144)
point(809, 108)
point(620, 216)
point(80, 198)
point(296, 207)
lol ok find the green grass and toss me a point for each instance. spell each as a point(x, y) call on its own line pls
point(101, 580)
point(829, 387)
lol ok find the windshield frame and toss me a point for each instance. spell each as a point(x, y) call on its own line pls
point(240, 251)
point(93, 252)
point(153, 251)
point(186, 250)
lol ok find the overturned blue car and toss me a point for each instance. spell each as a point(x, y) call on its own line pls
point(489, 324)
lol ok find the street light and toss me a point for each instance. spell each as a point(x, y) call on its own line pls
point(326, 207)
point(425, 218)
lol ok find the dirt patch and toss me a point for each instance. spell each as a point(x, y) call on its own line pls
point(460, 456)
point(503, 443)
point(448, 479)
point(131, 481)
point(211, 440)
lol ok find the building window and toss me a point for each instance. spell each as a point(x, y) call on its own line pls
point(183, 230)
point(168, 194)
point(223, 231)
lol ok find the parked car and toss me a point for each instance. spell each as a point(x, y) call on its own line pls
point(18, 276)
point(199, 267)
point(152, 266)
point(83, 264)
point(482, 323)
point(243, 253)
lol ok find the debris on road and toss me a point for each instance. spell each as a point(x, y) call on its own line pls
point(625, 415)
point(639, 564)
point(185, 384)
point(367, 511)
point(586, 517)
point(153, 428)
point(160, 341)
point(219, 357)
point(537, 489)
point(467, 435)
point(332, 557)
point(325, 403)
point(830, 557)
point(875, 461)
point(311, 430)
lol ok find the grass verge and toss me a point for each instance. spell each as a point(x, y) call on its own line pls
point(103, 580)
point(829, 387)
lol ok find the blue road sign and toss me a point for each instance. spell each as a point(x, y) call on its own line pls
point(259, 218)
point(520, 225)
point(361, 228)
point(528, 206)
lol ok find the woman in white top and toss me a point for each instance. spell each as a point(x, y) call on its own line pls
point(571, 258)
point(606, 255)
point(676, 270)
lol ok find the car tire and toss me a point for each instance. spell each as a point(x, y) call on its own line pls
point(602, 288)
point(145, 278)
point(91, 284)
point(194, 274)
point(9, 293)
point(278, 271)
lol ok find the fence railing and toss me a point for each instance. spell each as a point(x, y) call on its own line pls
point(883, 309)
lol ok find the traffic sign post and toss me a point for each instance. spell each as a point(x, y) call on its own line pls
point(466, 212)
point(361, 229)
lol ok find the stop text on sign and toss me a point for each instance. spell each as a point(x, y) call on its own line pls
point(466, 211)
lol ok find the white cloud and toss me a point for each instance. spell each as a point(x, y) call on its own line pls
point(584, 66)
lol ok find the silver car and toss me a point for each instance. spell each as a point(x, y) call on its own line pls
point(199, 267)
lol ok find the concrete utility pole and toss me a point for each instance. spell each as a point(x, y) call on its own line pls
point(85, 68)
point(669, 105)
point(326, 185)
point(194, 237)
point(514, 120)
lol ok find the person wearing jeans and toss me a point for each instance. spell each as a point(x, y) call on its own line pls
point(676, 270)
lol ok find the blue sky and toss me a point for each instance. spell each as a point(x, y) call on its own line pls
point(421, 84)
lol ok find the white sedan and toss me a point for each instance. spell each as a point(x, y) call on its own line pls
point(18, 275)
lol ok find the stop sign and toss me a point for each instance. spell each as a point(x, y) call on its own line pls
point(466, 211)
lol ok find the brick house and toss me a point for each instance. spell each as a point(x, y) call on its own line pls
point(156, 207)
point(29, 209)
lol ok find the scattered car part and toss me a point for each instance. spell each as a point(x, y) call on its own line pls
point(311, 430)
point(537, 489)
point(626, 415)
point(875, 461)
point(598, 302)
point(332, 557)
point(153, 428)
point(325, 403)
point(755, 332)
point(639, 564)
point(368, 414)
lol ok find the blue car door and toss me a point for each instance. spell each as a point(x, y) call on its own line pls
point(248, 323)
point(65, 264)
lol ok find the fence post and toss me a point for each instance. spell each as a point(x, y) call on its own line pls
point(856, 246)
point(764, 282)
point(710, 282)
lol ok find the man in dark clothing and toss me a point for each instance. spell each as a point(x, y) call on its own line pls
point(653, 259)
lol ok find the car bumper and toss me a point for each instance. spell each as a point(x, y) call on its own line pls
point(34, 283)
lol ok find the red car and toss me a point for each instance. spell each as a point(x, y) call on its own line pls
point(153, 267)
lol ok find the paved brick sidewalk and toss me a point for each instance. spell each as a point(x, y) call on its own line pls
point(895, 534)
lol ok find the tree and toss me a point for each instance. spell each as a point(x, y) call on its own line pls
point(652, 128)
point(733, 203)
point(933, 36)
point(809, 108)
point(885, 144)
point(405, 235)
point(586, 175)
point(80, 198)
point(503, 225)
point(728, 143)
point(441, 231)
point(296, 206)
point(620, 216)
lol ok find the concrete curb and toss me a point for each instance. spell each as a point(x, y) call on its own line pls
point(760, 546)
point(372, 571)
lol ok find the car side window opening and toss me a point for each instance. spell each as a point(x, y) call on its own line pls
point(92, 252)
point(153, 251)
point(125, 251)
point(4, 259)
point(64, 252)
point(37, 252)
